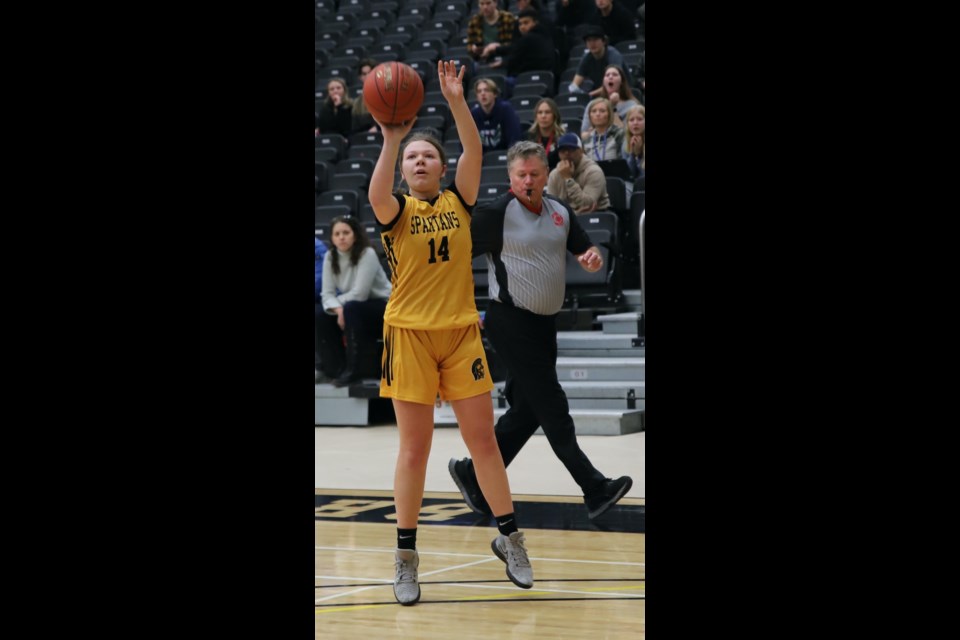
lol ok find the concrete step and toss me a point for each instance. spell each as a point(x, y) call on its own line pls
point(618, 323)
point(599, 422)
point(620, 404)
point(596, 344)
point(333, 406)
point(592, 368)
point(593, 340)
point(632, 299)
point(625, 395)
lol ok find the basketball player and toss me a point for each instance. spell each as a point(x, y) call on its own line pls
point(431, 335)
point(526, 236)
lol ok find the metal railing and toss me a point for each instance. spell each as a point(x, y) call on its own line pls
point(643, 284)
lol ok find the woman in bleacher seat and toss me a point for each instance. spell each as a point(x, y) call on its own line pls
point(336, 115)
point(547, 129)
point(355, 292)
point(616, 89)
point(604, 139)
point(633, 140)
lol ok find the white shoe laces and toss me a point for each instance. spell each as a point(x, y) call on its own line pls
point(518, 551)
point(404, 570)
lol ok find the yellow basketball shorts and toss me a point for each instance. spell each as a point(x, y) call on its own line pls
point(419, 363)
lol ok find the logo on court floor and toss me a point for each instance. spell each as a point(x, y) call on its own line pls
point(477, 368)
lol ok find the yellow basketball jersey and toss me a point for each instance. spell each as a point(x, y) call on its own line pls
point(429, 250)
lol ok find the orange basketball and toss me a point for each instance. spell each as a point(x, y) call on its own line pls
point(393, 92)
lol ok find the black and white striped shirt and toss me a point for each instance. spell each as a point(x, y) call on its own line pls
point(526, 251)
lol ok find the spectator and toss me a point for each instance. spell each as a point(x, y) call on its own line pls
point(556, 34)
point(615, 20)
point(355, 293)
point(616, 89)
point(362, 120)
point(546, 129)
point(573, 13)
point(533, 51)
point(336, 114)
point(319, 251)
point(495, 118)
point(596, 60)
point(633, 141)
point(578, 180)
point(488, 30)
point(604, 139)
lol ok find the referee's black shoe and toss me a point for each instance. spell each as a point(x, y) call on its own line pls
point(606, 495)
point(466, 481)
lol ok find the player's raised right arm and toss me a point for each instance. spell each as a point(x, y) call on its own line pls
point(471, 160)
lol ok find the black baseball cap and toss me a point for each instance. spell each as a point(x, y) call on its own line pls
point(594, 31)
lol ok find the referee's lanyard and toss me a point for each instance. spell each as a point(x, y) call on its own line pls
point(601, 145)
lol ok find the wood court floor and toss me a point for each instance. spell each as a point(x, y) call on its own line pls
point(589, 579)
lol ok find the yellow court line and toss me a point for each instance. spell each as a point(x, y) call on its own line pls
point(357, 607)
point(495, 596)
point(626, 588)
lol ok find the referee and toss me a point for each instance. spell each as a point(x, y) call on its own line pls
point(525, 236)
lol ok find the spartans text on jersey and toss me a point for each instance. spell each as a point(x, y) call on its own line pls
point(430, 224)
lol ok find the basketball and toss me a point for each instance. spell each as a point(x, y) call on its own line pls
point(393, 92)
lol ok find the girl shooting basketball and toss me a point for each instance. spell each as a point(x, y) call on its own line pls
point(431, 337)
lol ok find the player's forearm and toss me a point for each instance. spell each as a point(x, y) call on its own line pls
point(380, 191)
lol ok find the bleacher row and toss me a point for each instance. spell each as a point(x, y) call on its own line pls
point(428, 30)
point(418, 35)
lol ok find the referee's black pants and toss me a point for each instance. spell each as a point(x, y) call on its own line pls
point(527, 344)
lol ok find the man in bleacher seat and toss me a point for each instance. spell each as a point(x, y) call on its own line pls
point(578, 180)
point(615, 20)
point(534, 51)
point(495, 118)
point(488, 30)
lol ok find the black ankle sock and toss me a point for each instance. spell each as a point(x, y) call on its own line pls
point(507, 524)
point(406, 538)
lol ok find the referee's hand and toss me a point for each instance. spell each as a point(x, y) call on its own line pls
point(590, 260)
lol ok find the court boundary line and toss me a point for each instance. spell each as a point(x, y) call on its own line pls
point(345, 586)
point(333, 608)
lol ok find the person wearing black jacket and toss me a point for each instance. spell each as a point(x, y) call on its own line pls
point(556, 33)
point(336, 114)
point(534, 51)
point(615, 20)
point(572, 13)
point(525, 236)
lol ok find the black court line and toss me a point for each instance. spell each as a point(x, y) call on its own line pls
point(568, 516)
point(422, 602)
point(388, 584)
